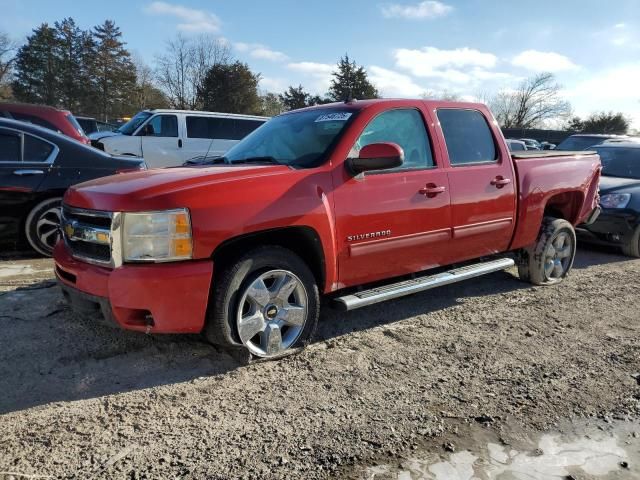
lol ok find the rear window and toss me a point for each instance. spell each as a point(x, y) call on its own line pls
point(24, 117)
point(220, 128)
point(468, 136)
point(76, 125)
point(580, 143)
point(36, 150)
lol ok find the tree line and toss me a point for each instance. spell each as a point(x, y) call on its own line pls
point(91, 72)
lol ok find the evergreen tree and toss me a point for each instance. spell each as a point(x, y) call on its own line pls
point(231, 88)
point(295, 97)
point(36, 68)
point(351, 81)
point(74, 54)
point(113, 72)
point(271, 104)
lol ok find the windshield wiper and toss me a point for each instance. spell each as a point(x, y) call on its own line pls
point(264, 159)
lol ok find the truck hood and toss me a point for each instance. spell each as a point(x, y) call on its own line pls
point(100, 135)
point(163, 188)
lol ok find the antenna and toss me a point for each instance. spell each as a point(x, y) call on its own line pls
point(349, 98)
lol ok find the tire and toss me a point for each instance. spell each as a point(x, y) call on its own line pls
point(42, 226)
point(632, 248)
point(550, 259)
point(267, 301)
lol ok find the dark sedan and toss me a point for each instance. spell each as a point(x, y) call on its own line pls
point(619, 222)
point(36, 167)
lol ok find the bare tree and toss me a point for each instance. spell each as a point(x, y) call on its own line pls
point(446, 95)
point(536, 100)
point(7, 49)
point(182, 69)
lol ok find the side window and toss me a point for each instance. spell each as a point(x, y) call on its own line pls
point(245, 127)
point(9, 147)
point(36, 150)
point(468, 136)
point(404, 127)
point(163, 126)
point(198, 127)
point(222, 128)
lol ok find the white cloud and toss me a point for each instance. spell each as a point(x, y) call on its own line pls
point(460, 65)
point(538, 61)
point(420, 11)
point(270, 84)
point(261, 52)
point(394, 84)
point(318, 75)
point(191, 20)
point(614, 89)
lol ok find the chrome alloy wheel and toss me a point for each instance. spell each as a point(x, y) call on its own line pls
point(558, 255)
point(272, 313)
point(48, 227)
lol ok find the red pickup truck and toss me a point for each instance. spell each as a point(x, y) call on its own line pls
point(363, 201)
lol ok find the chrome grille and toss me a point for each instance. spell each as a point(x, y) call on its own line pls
point(88, 234)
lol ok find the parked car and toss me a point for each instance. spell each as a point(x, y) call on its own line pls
point(584, 141)
point(339, 200)
point(36, 167)
point(91, 125)
point(547, 146)
point(168, 138)
point(61, 121)
point(619, 223)
point(531, 143)
point(516, 145)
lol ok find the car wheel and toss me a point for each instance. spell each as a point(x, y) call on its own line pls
point(632, 248)
point(267, 302)
point(42, 227)
point(550, 259)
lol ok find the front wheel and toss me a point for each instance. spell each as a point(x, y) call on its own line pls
point(267, 301)
point(550, 259)
point(632, 247)
point(42, 227)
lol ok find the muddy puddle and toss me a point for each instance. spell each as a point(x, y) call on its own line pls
point(576, 451)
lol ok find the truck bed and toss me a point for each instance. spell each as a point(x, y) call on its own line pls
point(550, 153)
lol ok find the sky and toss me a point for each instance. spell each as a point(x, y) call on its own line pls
point(408, 47)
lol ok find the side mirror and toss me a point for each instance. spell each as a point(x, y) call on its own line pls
point(377, 156)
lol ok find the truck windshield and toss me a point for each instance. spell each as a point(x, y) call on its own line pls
point(300, 139)
point(620, 162)
point(133, 124)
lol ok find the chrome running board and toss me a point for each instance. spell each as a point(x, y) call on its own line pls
point(407, 287)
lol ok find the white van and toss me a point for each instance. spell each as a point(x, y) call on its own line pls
point(166, 138)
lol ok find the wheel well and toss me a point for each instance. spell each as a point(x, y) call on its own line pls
point(565, 205)
point(303, 241)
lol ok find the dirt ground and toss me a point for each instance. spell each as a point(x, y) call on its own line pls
point(81, 400)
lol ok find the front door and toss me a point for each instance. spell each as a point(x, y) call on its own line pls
point(161, 142)
point(392, 222)
point(482, 181)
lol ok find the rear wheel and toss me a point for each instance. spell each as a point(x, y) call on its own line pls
point(632, 248)
point(267, 302)
point(42, 227)
point(550, 259)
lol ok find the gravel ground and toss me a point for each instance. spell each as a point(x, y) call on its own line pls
point(81, 400)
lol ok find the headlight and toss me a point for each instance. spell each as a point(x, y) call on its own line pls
point(157, 236)
point(615, 200)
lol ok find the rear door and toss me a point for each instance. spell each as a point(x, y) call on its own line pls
point(397, 221)
point(482, 182)
point(161, 142)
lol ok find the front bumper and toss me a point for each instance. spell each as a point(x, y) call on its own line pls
point(613, 227)
point(157, 298)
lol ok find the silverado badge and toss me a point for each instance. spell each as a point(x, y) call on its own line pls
point(363, 236)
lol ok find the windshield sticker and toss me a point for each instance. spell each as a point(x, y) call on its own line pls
point(334, 117)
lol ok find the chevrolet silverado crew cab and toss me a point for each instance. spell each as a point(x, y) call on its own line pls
point(362, 201)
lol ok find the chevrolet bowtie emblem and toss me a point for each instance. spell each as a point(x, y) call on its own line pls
point(69, 229)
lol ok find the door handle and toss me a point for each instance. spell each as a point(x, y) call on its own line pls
point(179, 143)
point(431, 190)
point(500, 182)
point(27, 172)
